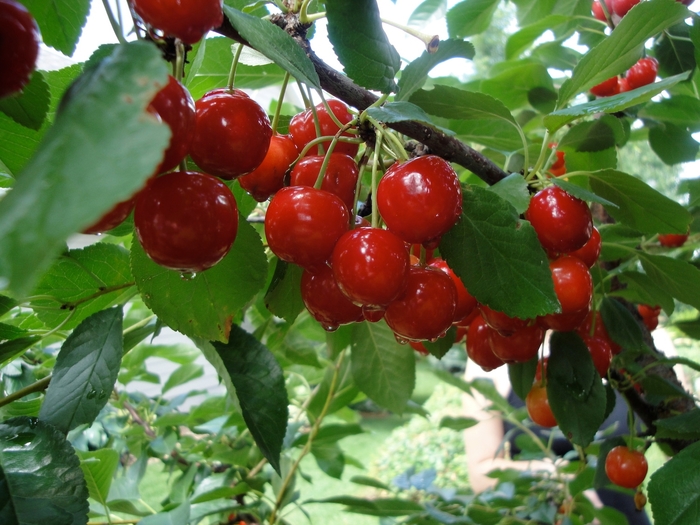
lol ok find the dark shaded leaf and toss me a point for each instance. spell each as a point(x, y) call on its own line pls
point(522, 375)
point(682, 426)
point(679, 278)
point(674, 489)
point(30, 106)
point(673, 144)
point(621, 325)
point(457, 423)
point(283, 297)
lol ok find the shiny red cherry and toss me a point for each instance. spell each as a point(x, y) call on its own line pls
point(175, 107)
point(597, 10)
point(520, 347)
point(420, 199)
point(232, 133)
point(563, 223)
point(558, 167)
point(593, 325)
point(621, 7)
point(303, 224)
point(425, 308)
point(590, 251)
point(340, 177)
point(186, 221)
point(601, 353)
point(625, 467)
point(324, 300)
point(268, 178)
point(642, 73)
point(607, 88)
point(672, 240)
point(112, 218)
point(537, 404)
point(502, 323)
point(19, 46)
point(188, 20)
point(370, 266)
point(466, 303)
point(479, 345)
point(303, 130)
point(572, 283)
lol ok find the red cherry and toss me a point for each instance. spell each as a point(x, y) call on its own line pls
point(19, 46)
point(479, 345)
point(558, 167)
point(186, 221)
point(502, 323)
point(607, 88)
point(686, 2)
point(626, 468)
point(175, 107)
point(425, 308)
point(650, 316)
point(303, 130)
point(598, 330)
point(642, 73)
point(601, 353)
point(340, 177)
point(268, 178)
point(563, 322)
point(597, 10)
point(572, 283)
point(324, 300)
point(420, 199)
point(621, 7)
point(519, 347)
point(370, 266)
point(112, 218)
point(188, 20)
point(466, 303)
point(232, 133)
point(537, 404)
point(541, 364)
point(419, 347)
point(672, 240)
point(563, 222)
point(590, 251)
point(302, 225)
point(624, 85)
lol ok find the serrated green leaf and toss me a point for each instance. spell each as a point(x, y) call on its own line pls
point(597, 135)
point(453, 103)
point(638, 205)
point(60, 22)
point(619, 51)
point(673, 144)
point(204, 305)
point(259, 386)
point(674, 489)
point(329, 458)
point(574, 388)
point(398, 112)
point(470, 17)
point(682, 426)
point(514, 190)
point(680, 110)
point(674, 50)
point(640, 289)
point(428, 10)
point(40, 476)
point(521, 376)
point(499, 135)
point(457, 423)
point(84, 164)
point(382, 368)
point(415, 74)
point(86, 371)
point(614, 104)
point(581, 192)
point(522, 39)
point(82, 282)
point(620, 325)
point(358, 38)
point(30, 106)
point(283, 296)
point(275, 44)
point(679, 278)
point(514, 81)
point(99, 467)
point(9, 332)
point(11, 349)
point(498, 257)
point(443, 345)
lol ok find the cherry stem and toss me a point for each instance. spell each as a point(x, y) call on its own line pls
point(329, 111)
point(317, 124)
point(39, 386)
point(278, 109)
point(179, 66)
point(432, 42)
point(540, 160)
point(304, 97)
point(304, 13)
point(375, 165)
point(116, 26)
point(234, 65)
point(361, 168)
point(608, 13)
point(326, 161)
point(319, 140)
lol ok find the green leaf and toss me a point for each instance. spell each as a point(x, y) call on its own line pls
point(9, 332)
point(374, 507)
point(99, 467)
point(383, 369)
point(370, 482)
point(85, 372)
point(457, 423)
point(675, 50)
point(621, 326)
point(259, 384)
point(82, 282)
point(182, 375)
point(40, 476)
point(60, 22)
point(180, 515)
point(11, 349)
point(614, 104)
point(574, 388)
point(30, 106)
point(499, 135)
point(217, 486)
point(690, 328)
point(329, 458)
point(329, 434)
point(683, 426)
point(470, 17)
point(498, 257)
point(514, 82)
point(6, 304)
point(638, 205)
point(358, 38)
point(601, 134)
point(522, 39)
point(679, 278)
point(275, 44)
point(443, 345)
point(84, 164)
point(415, 74)
point(398, 112)
point(283, 296)
point(514, 190)
point(453, 103)
point(346, 390)
point(640, 289)
point(673, 144)
point(521, 376)
point(680, 110)
point(674, 489)
point(428, 10)
point(204, 305)
point(619, 51)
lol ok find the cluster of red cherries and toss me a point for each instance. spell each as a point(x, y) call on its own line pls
point(618, 8)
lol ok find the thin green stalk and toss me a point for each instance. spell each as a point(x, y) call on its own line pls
point(116, 26)
point(375, 165)
point(541, 159)
point(179, 66)
point(142, 322)
point(278, 110)
point(431, 42)
point(234, 66)
point(39, 386)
